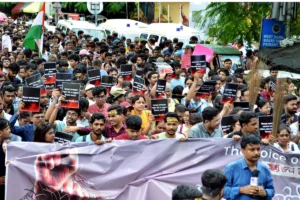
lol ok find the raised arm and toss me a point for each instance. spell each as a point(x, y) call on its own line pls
point(54, 113)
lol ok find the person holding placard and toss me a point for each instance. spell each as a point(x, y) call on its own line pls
point(100, 95)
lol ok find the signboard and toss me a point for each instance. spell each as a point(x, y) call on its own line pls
point(272, 33)
point(95, 8)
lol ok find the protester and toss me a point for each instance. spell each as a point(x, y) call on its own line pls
point(44, 133)
point(210, 125)
point(239, 173)
point(133, 129)
point(284, 140)
point(213, 182)
point(186, 192)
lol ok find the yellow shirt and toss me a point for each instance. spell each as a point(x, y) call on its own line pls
point(144, 116)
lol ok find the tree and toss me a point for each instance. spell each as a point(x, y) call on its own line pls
point(230, 21)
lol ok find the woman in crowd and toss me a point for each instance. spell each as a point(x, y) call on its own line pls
point(264, 106)
point(44, 133)
point(138, 104)
point(284, 142)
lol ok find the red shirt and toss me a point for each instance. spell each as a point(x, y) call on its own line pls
point(125, 137)
point(94, 108)
point(111, 133)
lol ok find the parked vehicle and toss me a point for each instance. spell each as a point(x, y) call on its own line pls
point(124, 27)
point(86, 27)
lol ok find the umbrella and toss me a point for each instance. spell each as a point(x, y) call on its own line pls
point(34, 7)
point(3, 17)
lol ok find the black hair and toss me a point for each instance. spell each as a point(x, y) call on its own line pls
point(83, 103)
point(171, 114)
point(97, 116)
point(24, 115)
point(261, 103)
point(235, 110)
point(227, 60)
point(117, 108)
point(40, 132)
point(224, 70)
point(186, 192)
point(246, 116)
point(284, 127)
point(74, 57)
point(14, 67)
point(27, 53)
point(136, 98)
point(180, 108)
point(133, 122)
point(273, 68)
point(111, 70)
point(195, 118)
point(209, 113)
point(151, 73)
point(98, 90)
point(213, 181)
point(127, 84)
point(63, 63)
point(3, 124)
point(289, 97)
point(8, 88)
point(250, 139)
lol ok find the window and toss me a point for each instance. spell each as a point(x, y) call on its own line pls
point(155, 37)
point(144, 36)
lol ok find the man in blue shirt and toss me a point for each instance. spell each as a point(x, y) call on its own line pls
point(239, 174)
point(26, 131)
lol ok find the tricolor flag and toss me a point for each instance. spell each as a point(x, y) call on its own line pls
point(34, 38)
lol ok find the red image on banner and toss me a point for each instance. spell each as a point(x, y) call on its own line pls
point(50, 79)
point(108, 89)
point(198, 64)
point(31, 107)
point(31, 99)
point(43, 91)
point(70, 103)
point(227, 100)
point(138, 86)
point(126, 72)
point(96, 82)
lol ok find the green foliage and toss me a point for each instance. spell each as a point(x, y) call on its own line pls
point(6, 4)
point(81, 6)
point(115, 8)
point(228, 21)
point(295, 26)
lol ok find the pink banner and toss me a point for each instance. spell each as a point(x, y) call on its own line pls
point(202, 50)
point(132, 170)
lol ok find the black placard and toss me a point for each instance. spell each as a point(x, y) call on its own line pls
point(107, 82)
point(139, 73)
point(63, 78)
point(198, 63)
point(159, 108)
point(62, 137)
point(206, 89)
point(50, 81)
point(242, 104)
point(94, 77)
point(71, 91)
point(50, 68)
point(35, 81)
point(126, 72)
point(229, 94)
point(265, 124)
point(226, 123)
point(31, 99)
point(138, 86)
point(160, 88)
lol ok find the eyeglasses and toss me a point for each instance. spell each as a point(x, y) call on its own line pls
point(100, 97)
point(269, 107)
point(44, 97)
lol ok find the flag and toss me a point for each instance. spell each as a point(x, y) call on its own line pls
point(34, 37)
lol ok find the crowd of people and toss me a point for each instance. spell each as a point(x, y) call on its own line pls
point(119, 115)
